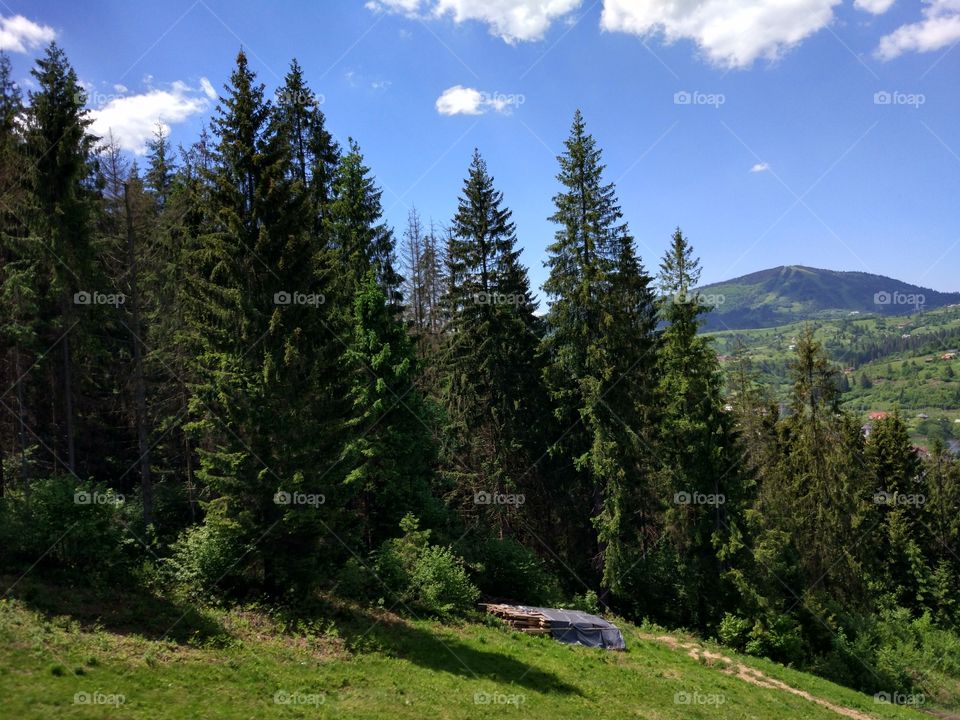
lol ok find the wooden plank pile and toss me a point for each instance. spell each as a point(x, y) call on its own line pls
point(526, 620)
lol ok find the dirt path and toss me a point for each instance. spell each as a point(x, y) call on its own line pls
point(751, 675)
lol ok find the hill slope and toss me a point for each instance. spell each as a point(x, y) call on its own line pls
point(793, 292)
point(65, 655)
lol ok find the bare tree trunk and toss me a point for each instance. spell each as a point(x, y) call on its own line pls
point(139, 386)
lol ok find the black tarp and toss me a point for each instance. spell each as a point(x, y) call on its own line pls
point(575, 627)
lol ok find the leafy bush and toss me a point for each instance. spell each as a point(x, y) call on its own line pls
point(779, 638)
point(441, 583)
point(204, 560)
point(429, 577)
point(588, 602)
point(68, 526)
point(894, 652)
point(734, 631)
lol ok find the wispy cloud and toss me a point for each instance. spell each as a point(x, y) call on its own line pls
point(760, 167)
point(512, 20)
point(939, 28)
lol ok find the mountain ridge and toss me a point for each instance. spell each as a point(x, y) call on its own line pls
point(791, 293)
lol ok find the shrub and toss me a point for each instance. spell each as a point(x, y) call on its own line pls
point(734, 631)
point(429, 577)
point(204, 561)
point(588, 602)
point(779, 638)
point(440, 582)
point(68, 526)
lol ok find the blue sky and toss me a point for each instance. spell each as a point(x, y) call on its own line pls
point(815, 132)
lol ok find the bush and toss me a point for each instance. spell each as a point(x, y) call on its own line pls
point(68, 526)
point(894, 652)
point(429, 577)
point(440, 582)
point(734, 632)
point(779, 638)
point(588, 602)
point(204, 560)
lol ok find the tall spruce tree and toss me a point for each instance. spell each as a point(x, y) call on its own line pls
point(696, 448)
point(258, 313)
point(491, 383)
point(19, 283)
point(359, 235)
point(315, 153)
point(389, 450)
point(60, 151)
point(897, 531)
point(600, 357)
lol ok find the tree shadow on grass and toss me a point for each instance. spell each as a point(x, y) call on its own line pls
point(121, 611)
point(392, 635)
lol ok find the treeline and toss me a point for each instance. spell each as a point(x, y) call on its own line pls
point(293, 400)
point(866, 347)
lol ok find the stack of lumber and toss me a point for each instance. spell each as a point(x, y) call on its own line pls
point(525, 619)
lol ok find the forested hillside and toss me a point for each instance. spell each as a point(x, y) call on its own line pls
point(228, 382)
point(884, 364)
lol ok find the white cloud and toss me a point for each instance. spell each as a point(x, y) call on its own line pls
point(877, 7)
point(18, 34)
point(208, 88)
point(760, 167)
point(133, 119)
point(460, 100)
point(512, 20)
point(731, 33)
point(121, 88)
point(939, 28)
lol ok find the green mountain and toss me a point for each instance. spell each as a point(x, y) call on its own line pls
point(792, 293)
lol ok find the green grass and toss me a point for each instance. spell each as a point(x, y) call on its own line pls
point(349, 662)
